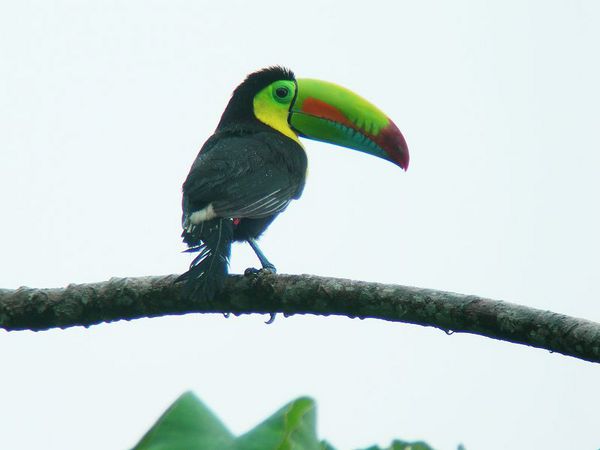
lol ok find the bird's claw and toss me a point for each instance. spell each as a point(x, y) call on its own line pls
point(269, 268)
point(252, 271)
point(271, 319)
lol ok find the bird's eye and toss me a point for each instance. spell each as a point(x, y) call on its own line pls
point(282, 92)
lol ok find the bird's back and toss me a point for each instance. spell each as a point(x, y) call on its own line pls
point(245, 174)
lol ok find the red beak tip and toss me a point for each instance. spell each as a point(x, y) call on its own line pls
point(406, 160)
point(395, 145)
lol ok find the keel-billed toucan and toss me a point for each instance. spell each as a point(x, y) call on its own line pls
point(254, 165)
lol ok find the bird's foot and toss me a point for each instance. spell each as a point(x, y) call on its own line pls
point(252, 271)
point(268, 267)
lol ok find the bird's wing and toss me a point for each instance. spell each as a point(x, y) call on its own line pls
point(240, 177)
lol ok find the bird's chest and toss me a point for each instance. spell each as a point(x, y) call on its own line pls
point(286, 154)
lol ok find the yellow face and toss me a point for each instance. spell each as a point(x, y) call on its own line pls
point(272, 106)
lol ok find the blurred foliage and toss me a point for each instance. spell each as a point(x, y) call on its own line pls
point(189, 425)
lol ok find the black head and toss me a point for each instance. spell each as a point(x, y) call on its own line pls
point(240, 106)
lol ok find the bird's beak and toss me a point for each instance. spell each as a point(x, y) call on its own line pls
point(327, 112)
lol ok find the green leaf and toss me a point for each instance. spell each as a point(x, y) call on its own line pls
point(189, 425)
point(186, 425)
point(293, 427)
point(404, 445)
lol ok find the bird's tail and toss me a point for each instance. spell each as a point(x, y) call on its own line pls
point(208, 271)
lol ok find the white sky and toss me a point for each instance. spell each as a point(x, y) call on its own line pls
point(103, 107)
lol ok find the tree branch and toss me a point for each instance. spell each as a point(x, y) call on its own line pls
point(132, 298)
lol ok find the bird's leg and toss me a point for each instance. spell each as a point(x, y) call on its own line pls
point(266, 264)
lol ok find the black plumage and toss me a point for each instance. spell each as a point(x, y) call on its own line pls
point(245, 175)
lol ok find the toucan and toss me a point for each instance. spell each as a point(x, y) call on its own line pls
point(254, 164)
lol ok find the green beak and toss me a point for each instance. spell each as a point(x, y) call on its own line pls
point(327, 112)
